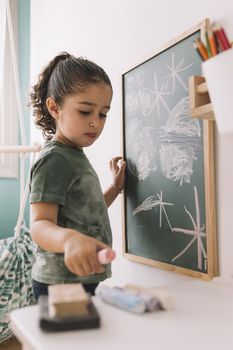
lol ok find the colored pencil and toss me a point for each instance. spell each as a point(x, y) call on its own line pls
point(202, 49)
point(220, 38)
point(228, 45)
point(208, 49)
point(206, 37)
point(215, 39)
point(199, 54)
point(213, 46)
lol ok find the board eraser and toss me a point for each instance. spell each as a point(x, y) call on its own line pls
point(67, 300)
point(105, 256)
point(58, 323)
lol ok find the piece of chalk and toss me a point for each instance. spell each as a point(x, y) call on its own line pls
point(121, 298)
point(152, 303)
point(161, 294)
point(105, 256)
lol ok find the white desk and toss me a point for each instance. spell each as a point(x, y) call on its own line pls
point(202, 318)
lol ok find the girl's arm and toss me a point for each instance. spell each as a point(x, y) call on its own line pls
point(80, 251)
point(117, 166)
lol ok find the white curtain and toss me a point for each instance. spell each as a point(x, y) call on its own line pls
point(2, 55)
point(11, 109)
point(2, 35)
point(10, 102)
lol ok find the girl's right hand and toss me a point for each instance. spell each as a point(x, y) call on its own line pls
point(80, 254)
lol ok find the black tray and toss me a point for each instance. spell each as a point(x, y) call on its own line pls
point(57, 323)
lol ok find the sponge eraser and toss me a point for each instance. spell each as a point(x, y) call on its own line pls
point(60, 323)
point(67, 299)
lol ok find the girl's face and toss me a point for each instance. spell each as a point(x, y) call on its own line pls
point(81, 118)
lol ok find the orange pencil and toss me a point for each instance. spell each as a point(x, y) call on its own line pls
point(202, 49)
point(213, 46)
point(199, 54)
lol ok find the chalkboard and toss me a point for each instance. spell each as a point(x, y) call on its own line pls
point(169, 202)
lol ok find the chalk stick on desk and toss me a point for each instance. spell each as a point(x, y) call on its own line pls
point(121, 298)
point(159, 293)
point(105, 256)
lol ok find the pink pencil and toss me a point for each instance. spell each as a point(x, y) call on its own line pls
point(105, 256)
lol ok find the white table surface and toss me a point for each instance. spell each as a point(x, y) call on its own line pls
point(202, 318)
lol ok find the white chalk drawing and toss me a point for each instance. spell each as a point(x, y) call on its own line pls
point(147, 100)
point(177, 162)
point(177, 146)
point(178, 143)
point(135, 80)
point(132, 103)
point(174, 74)
point(151, 100)
point(197, 234)
point(180, 122)
point(162, 209)
point(151, 202)
point(141, 158)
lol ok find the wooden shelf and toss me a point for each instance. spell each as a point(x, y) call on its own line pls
point(200, 104)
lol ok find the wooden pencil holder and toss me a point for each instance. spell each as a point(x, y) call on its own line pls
point(200, 104)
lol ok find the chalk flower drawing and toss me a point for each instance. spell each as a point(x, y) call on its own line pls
point(135, 80)
point(175, 144)
point(174, 74)
point(132, 103)
point(197, 234)
point(179, 139)
point(141, 154)
point(151, 99)
point(151, 202)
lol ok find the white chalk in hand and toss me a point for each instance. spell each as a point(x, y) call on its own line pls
point(105, 256)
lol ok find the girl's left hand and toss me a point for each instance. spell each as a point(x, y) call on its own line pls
point(117, 166)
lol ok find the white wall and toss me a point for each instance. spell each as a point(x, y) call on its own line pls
point(117, 35)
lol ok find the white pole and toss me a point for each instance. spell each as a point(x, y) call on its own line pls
point(20, 149)
point(16, 73)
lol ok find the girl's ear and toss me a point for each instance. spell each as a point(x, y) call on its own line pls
point(52, 107)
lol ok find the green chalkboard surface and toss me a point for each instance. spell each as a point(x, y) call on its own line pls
point(169, 216)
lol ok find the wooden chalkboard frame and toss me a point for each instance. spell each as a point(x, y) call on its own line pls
point(209, 182)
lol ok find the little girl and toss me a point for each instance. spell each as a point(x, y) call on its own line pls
point(69, 219)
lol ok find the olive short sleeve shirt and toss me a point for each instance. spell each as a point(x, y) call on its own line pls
point(63, 175)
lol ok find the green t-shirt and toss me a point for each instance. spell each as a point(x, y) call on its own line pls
point(63, 175)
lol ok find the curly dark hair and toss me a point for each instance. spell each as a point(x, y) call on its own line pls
point(63, 76)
